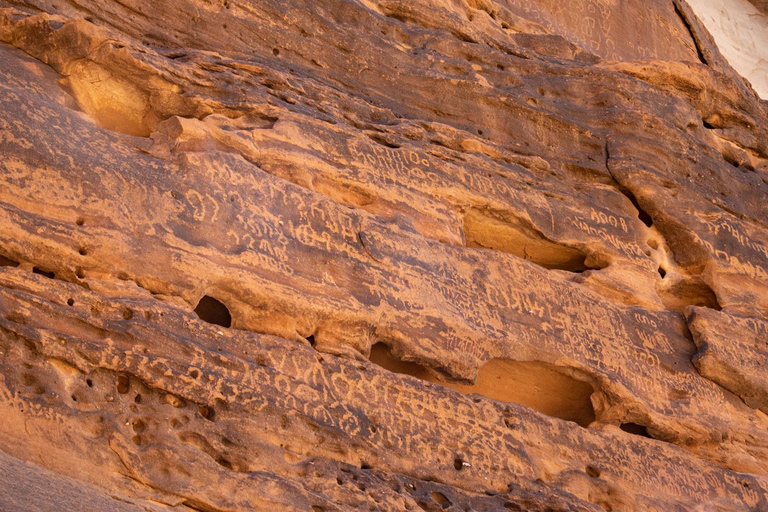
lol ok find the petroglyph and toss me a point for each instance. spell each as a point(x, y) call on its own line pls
point(382, 255)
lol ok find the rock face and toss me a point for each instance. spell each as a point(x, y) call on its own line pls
point(379, 255)
point(740, 29)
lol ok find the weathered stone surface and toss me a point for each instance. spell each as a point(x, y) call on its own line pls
point(740, 28)
point(28, 488)
point(733, 351)
point(383, 255)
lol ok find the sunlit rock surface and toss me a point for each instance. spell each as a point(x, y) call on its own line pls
point(740, 29)
point(379, 255)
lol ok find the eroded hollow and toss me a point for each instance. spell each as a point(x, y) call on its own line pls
point(42, 272)
point(482, 230)
point(635, 429)
point(441, 499)
point(7, 262)
point(689, 292)
point(540, 386)
point(214, 312)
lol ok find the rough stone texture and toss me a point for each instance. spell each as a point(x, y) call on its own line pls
point(382, 255)
point(28, 488)
point(733, 351)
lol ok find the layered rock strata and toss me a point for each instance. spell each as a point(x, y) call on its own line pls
point(380, 255)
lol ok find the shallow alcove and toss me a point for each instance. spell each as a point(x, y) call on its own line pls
point(441, 499)
point(41, 272)
point(214, 312)
point(7, 262)
point(636, 429)
point(381, 355)
point(484, 231)
point(540, 386)
point(689, 292)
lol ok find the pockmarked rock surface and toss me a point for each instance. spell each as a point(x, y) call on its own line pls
point(379, 255)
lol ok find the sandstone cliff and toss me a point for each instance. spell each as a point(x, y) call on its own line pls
point(379, 255)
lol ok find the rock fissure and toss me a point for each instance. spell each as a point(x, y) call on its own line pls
point(694, 37)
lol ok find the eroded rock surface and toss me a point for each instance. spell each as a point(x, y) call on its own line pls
point(740, 28)
point(382, 255)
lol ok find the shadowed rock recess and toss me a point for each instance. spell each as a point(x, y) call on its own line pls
point(379, 255)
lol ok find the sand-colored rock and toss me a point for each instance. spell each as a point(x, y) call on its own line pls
point(29, 488)
point(733, 352)
point(382, 255)
point(740, 28)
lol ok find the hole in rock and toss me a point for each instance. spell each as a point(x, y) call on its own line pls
point(80, 221)
point(689, 292)
point(123, 384)
point(662, 272)
point(481, 230)
point(89, 383)
point(441, 499)
point(635, 429)
point(224, 463)
point(311, 340)
point(511, 422)
point(214, 312)
point(458, 464)
point(70, 302)
point(7, 262)
point(206, 412)
point(641, 214)
point(49, 275)
point(540, 386)
point(384, 142)
point(173, 401)
point(593, 471)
